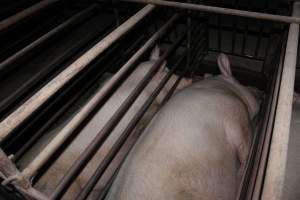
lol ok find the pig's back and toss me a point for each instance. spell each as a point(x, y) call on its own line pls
point(183, 151)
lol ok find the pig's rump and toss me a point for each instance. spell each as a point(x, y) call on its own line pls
point(186, 152)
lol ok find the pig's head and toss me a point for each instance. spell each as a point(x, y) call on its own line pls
point(248, 96)
point(155, 55)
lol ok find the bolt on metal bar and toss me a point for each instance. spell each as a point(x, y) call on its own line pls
point(38, 162)
point(274, 178)
point(9, 22)
point(225, 11)
point(40, 97)
point(10, 63)
point(124, 136)
point(92, 148)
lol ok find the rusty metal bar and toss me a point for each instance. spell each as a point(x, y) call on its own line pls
point(124, 136)
point(219, 10)
point(38, 162)
point(10, 63)
point(39, 98)
point(92, 148)
point(9, 22)
point(274, 178)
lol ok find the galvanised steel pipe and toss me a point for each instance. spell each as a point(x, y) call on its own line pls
point(9, 22)
point(275, 172)
point(75, 122)
point(220, 10)
point(39, 98)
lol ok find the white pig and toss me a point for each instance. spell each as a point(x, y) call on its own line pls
point(48, 182)
point(292, 178)
point(195, 147)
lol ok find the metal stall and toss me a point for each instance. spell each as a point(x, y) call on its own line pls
point(50, 77)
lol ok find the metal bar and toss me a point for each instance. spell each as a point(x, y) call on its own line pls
point(274, 179)
point(245, 30)
point(235, 4)
point(225, 11)
point(125, 149)
point(42, 75)
point(60, 112)
point(124, 136)
point(92, 148)
point(9, 22)
point(39, 98)
point(261, 29)
point(38, 162)
point(267, 130)
point(262, 131)
point(11, 174)
point(10, 63)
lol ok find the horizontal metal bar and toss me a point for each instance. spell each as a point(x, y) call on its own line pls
point(10, 63)
point(63, 109)
point(38, 162)
point(39, 98)
point(124, 136)
point(275, 172)
point(219, 10)
point(92, 148)
point(7, 23)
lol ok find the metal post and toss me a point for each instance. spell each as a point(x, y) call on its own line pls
point(39, 98)
point(7, 23)
point(275, 172)
point(219, 10)
point(31, 169)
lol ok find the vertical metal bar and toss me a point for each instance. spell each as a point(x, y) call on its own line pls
point(245, 31)
point(92, 148)
point(189, 36)
point(235, 4)
point(274, 179)
point(39, 98)
point(261, 29)
point(9, 22)
point(99, 97)
point(219, 21)
point(124, 136)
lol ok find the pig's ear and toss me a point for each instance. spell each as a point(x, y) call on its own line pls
point(155, 53)
point(224, 65)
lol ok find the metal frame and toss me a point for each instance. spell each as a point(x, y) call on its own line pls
point(39, 98)
point(219, 10)
point(274, 149)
